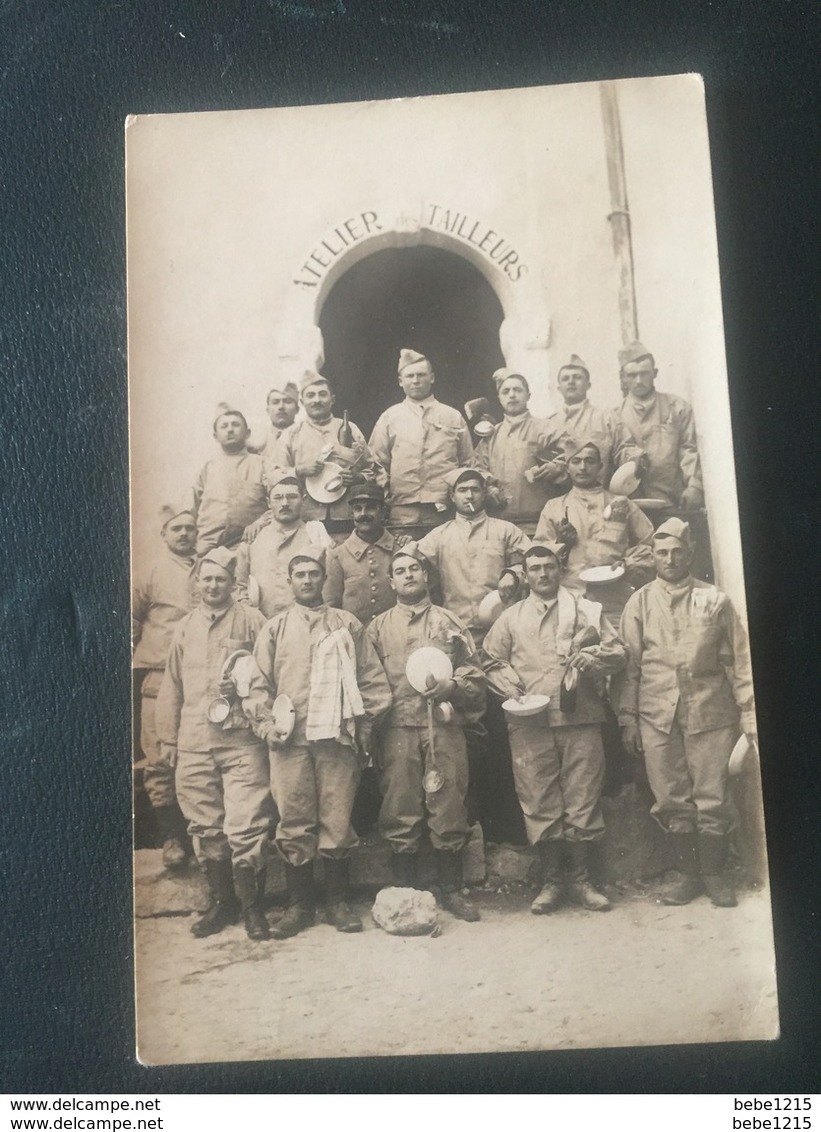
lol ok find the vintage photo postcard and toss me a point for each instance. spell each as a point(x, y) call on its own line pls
point(444, 731)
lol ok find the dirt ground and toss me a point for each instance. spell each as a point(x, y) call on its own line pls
point(642, 974)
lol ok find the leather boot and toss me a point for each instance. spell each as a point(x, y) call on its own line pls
point(579, 887)
point(550, 860)
point(224, 909)
point(172, 830)
point(405, 869)
point(337, 895)
point(249, 885)
point(712, 856)
point(449, 875)
point(682, 884)
point(302, 901)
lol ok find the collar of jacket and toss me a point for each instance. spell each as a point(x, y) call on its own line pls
point(213, 615)
point(411, 611)
point(358, 546)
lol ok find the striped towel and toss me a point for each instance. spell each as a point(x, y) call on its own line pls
point(334, 701)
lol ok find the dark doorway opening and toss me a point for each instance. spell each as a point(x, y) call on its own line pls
point(423, 298)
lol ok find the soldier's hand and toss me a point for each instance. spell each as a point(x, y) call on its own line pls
point(348, 476)
point(584, 662)
point(226, 687)
point(168, 755)
point(508, 587)
point(752, 738)
point(631, 737)
point(306, 470)
point(440, 691)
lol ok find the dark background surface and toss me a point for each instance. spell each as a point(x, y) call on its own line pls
point(69, 74)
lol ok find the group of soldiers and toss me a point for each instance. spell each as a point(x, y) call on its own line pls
point(326, 602)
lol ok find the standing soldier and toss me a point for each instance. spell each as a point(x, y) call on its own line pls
point(229, 493)
point(418, 442)
point(221, 766)
point(160, 598)
point(322, 660)
point(520, 453)
point(418, 738)
point(578, 418)
point(270, 544)
point(663, 425)
point(282, 406)
point(598, 529)
point(359, 575)
point(686, 689)
point(558, 757)
point(323, 438)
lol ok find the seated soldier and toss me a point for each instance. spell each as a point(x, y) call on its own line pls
point(229, 492)
point(359, 568)
point(270, 544)
point(598, 529)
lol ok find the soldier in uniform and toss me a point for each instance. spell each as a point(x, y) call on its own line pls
point(358, 570)
point(282, 406)
point(664, 427)
point(161, 596)
point(229, 493)
point(577, 418)
point(558, 757)
point(322, 438)
point(598, 529)
point(221, 766)
point(270, 544)
point(418, 442)
point(520, 453)
point(323, 661)
point(404, 750)
point(686, 690)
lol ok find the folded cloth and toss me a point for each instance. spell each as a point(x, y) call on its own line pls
point(334, 700)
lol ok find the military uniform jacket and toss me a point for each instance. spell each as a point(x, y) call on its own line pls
point(665, 429)
point(159, 599)
point(202, 642)
point(284, 653)
point(266, 560)
point(417, 443)
point(398, 632)
point(526, 637)
point(229, 494)
point(626, 533)
point(605, 428)
point(686, 647)
point(359, 575)
point(516, 445)
point(470, 556)
point(304, 441)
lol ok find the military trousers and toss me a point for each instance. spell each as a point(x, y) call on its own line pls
point(406, 809)
point(559, 774)
point(314, 787)
point(225, 797)
point(158, 776)
point(688, 775)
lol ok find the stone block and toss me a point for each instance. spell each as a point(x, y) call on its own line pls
point(404, 911)
point(633, 848)
point(509, 862)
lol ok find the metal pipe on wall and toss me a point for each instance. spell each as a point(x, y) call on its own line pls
point(619, 216)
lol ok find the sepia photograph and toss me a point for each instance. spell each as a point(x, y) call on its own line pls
point(443, 708)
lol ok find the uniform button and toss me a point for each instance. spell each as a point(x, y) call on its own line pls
point(373, 587)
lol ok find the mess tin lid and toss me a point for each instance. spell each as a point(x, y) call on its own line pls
point(325, 486)
point(530, 704)
point(600, 574)
point(738, 756)
point(283, 714)
point(490, 607)
point(624, 480)
point(425, 663)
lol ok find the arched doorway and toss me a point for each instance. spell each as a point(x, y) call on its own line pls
point(421, 297)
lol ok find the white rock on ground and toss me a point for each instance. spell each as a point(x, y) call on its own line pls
point(405, 911)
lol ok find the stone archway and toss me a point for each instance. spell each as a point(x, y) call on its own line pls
point(523, 334)
point(422, 297)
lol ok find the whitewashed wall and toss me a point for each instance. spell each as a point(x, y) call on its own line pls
point(225, 210)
